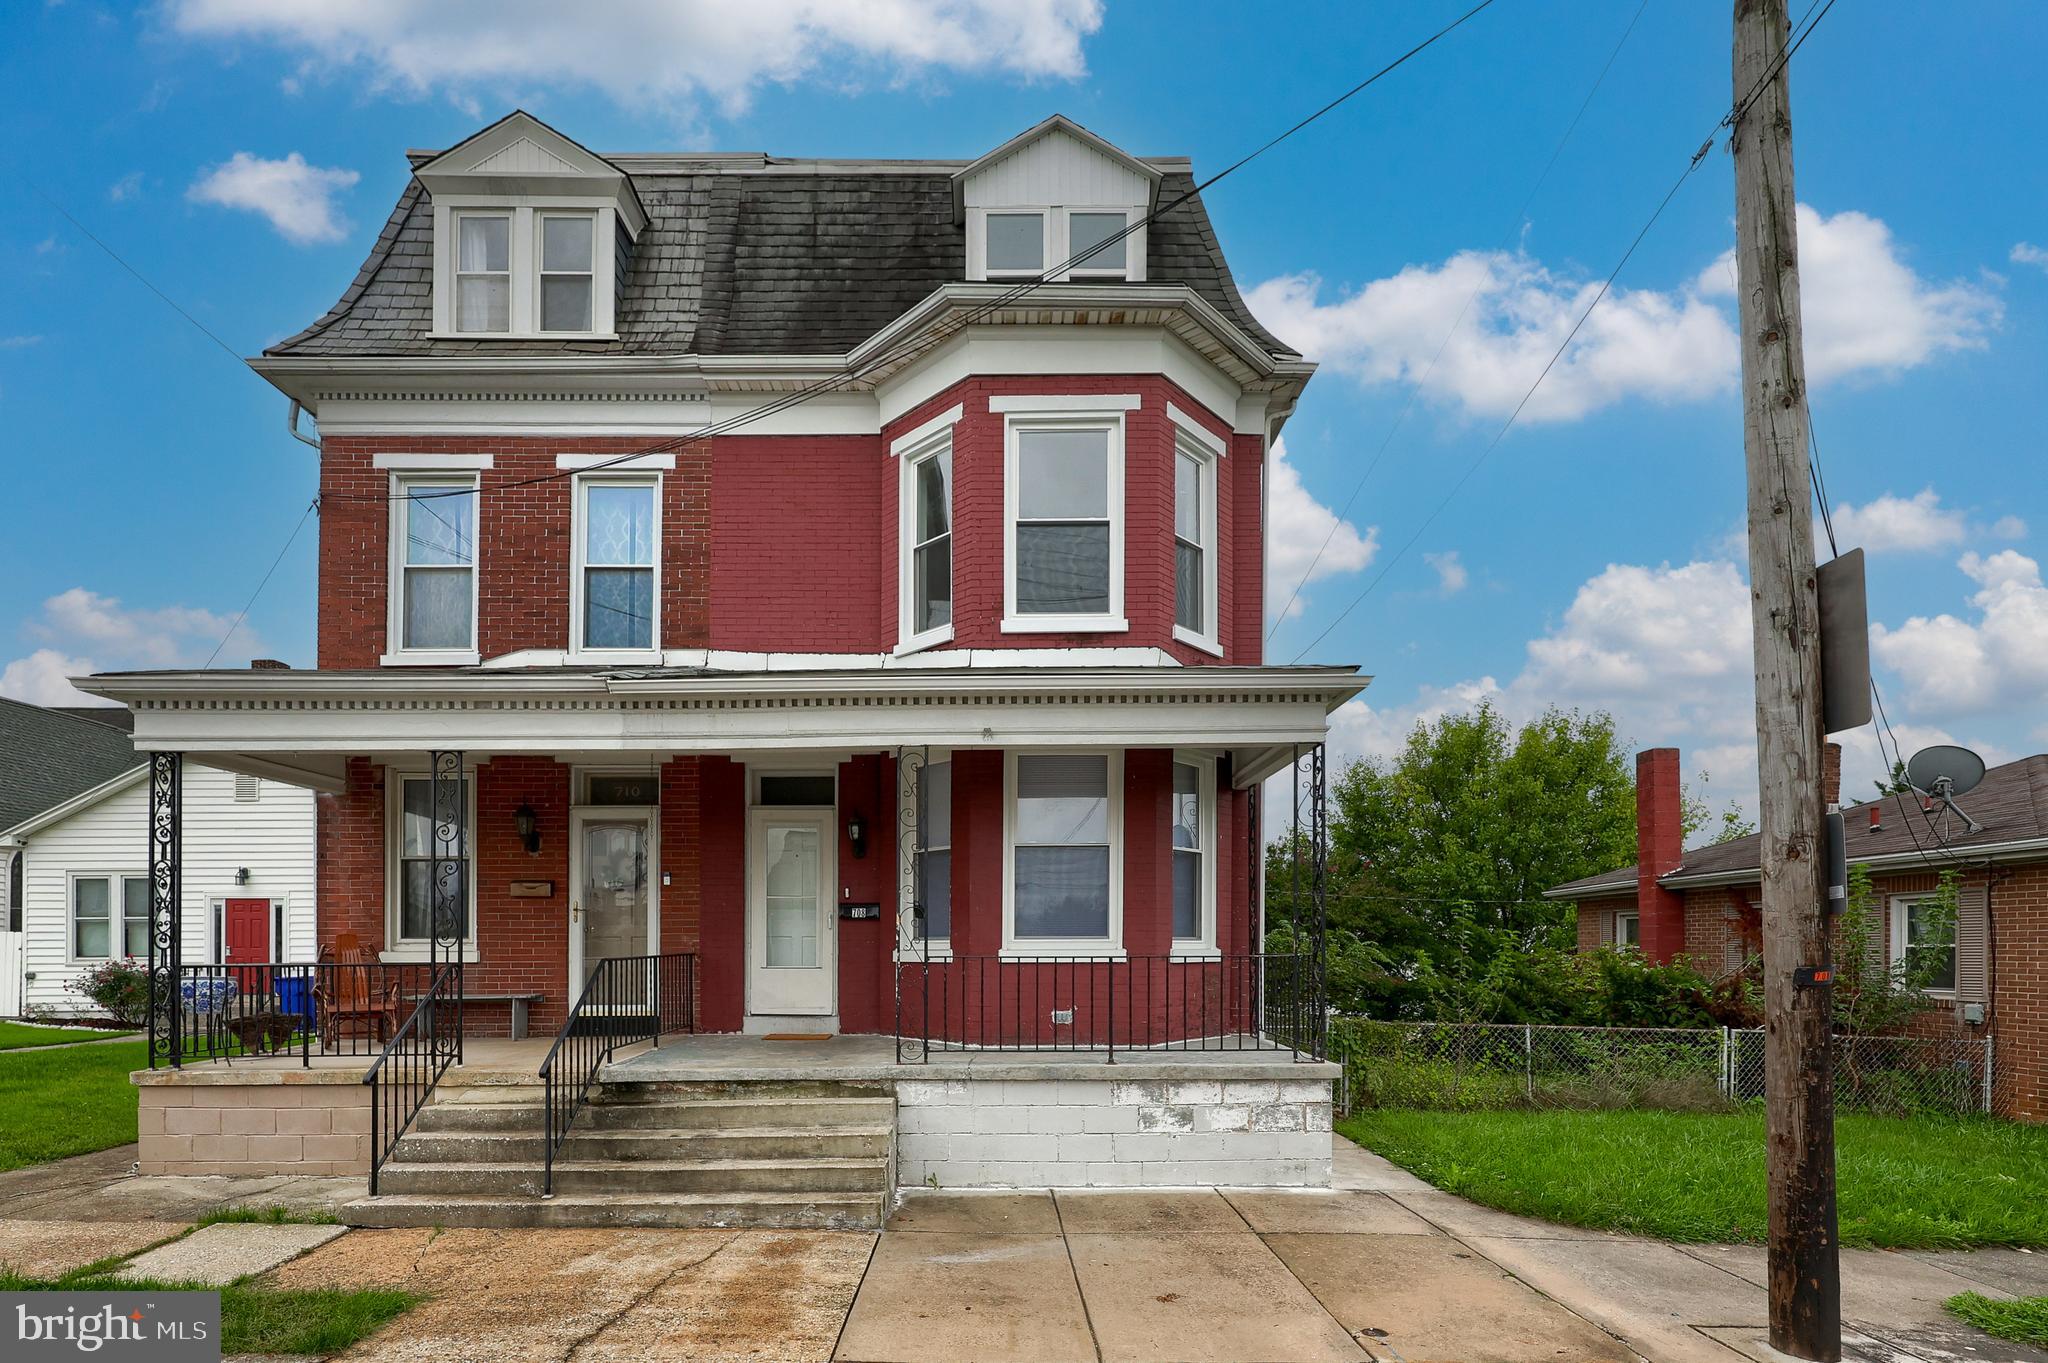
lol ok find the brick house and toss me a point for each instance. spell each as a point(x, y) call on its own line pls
point(1703, 902)
point(839, 580)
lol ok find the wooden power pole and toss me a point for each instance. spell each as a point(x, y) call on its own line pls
point(1799, 1086)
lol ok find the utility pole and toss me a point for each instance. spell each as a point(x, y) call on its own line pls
point(1799, 1090)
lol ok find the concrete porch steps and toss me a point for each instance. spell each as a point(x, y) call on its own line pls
point(799, 1153)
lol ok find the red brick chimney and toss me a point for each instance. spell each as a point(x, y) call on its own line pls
point(1660, 847)
point(1831, 775)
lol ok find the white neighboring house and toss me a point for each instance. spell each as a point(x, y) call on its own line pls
point(82, 867)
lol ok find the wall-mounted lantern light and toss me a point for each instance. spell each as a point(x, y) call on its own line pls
point(529, 827)
point(241, 875)
point(857, 835)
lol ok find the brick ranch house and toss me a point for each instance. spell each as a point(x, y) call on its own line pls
point(738, 596)
point(1703, 903)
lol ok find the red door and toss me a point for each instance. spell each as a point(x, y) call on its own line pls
point(248, 931)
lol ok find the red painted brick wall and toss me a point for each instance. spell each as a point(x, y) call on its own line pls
point(524, 537)
point(721, 842)
point(1148, 519)
point(1660, 848)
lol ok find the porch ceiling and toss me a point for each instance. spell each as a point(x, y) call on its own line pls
point(300, 726)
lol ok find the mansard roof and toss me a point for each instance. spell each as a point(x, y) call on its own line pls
point(747, 254)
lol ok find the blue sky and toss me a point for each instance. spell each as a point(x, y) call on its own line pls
point(242, 155)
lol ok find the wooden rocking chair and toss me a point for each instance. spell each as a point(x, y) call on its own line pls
point(349, 993)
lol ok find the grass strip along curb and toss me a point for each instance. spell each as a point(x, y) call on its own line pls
point(1903, 1183)
point(2024, 1321)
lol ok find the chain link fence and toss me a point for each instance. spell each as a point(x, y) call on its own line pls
point(1474, 1066)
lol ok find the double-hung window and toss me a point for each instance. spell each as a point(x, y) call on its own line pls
point(109, 917)
point(1924, 944)
point(617, 536)
point(928, 543)
point(568, 263)
point(435, 524)
point(483, 272)
point(1196, 455)
point(1194, 836)
point(1063, 890)
point(1065, 542)
point(928, 788)
point(416, 859)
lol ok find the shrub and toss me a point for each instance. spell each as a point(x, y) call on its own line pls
point(120, 988)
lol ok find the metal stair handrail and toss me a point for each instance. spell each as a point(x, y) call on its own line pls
point(402, 1077)
point(626, 1000)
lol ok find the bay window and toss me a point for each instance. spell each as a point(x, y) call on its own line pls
point(414, 869)
point(1193, 825)
point(434, 606)
point(1064, 540)
point(617, 532)
point(927, 511)
point(1063, 890)
point(1196, 454)
point(109, 917)
point(483, 272)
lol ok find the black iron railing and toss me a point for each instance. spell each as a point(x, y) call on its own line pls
point(627, 1000)
point(289, 1008)
point(1184, 1002)
point(402, 1077)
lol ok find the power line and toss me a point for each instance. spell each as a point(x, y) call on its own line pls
point(1415, 389)
point(911, 348)
point(1728, 120)
point(311, 507)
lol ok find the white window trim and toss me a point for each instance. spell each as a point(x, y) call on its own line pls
point(540, 270)
point(911, 640)
point(1616, 939)
point(577, 652)
point(510, 273)
point(524, 259)
point(1210, 638)
point(1057, 247)
point(396, 654)
point(977, 240)
point(1898, 906)
point(936, 948)
point(1111, 621)
point(1109, 948)
point(1205, 787)
point(401, 948)
point(117, 917)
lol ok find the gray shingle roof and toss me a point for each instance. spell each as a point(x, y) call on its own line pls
point(780, 262)
point(2011, 804)
point(47, 756)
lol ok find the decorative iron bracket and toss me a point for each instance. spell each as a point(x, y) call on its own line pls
point(166, 912)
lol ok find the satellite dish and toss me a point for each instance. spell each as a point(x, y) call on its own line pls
point(1945, 769)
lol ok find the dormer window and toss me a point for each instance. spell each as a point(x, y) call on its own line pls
point(483, 279)
point(1093, 244)
point(1016, 244)
point(1056, 201)
point(567, 260)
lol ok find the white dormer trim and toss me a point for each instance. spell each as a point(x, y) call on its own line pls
point(521, 156)
point(1058, 123)
point(1058, 171)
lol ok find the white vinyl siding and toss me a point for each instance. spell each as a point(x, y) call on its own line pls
point(272, 837)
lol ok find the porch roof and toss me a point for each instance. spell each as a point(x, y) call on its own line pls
point(301, 726)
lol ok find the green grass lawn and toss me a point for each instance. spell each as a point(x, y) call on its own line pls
point(2025, 1320)
point(262, 1320)
point(1902, 1183)
point(17, 1035)
point(68, 1102)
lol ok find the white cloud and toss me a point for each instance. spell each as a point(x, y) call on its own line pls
point(1298, 526)
point(1995, 662)
point(297, 198)
point(2026, 253)
point(1506, 313)
point(637, 51)
point(1642, 343)
point(80, 631)
point(129, 186)
point(1451, 577)
point(1866, 311)
point(1902, 523)
point(22, 342)
point(2009, 528)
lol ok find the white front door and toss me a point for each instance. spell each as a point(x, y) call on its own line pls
point(792, 952)
point(611, 899)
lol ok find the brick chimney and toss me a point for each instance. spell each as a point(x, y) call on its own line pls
point(268, 665)
point(1660, 847)
point(1831, 775)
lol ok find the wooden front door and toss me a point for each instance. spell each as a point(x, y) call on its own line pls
point(246, 930)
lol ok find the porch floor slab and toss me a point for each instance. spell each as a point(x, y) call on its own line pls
point(869, 1058)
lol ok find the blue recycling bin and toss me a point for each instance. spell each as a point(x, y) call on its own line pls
point(295, 997)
